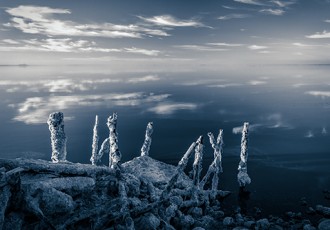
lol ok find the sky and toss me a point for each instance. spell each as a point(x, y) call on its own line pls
point(164, 34)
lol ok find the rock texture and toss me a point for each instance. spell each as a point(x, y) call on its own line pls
point(144, 194)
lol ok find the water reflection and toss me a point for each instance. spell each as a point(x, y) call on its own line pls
point(287, 107)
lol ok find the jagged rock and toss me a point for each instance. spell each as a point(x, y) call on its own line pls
point(325, 211)
point(324, 224)
point(49, 200)
point(262, 224)
point(228, 221)
point(58, 169)
point(198, 228)
point(5, 195)
point(69, 185)
point(14, 221)
point(147, 222)
point(133, 184)
point(151, 170)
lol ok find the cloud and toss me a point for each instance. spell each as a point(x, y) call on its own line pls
point(257, 82)
point(168, 20)
point(224, 44)
point(283, 4)
point(142, 51)
point(319, 93)
point(327, 20)
point(233, 16)
point(69, 45)
point(41, 20)
point(277, 12)
point(199, 48)
point(257, 47)
point(35, 110)
point(53, 85)
point(147, 78)
point(324, 34)
point(272, 121)
point(275, 120)
point(224, 85)
point(66, 85)
point(10, 41)
point(303, 45)
point(250, 2)
point(170, 108)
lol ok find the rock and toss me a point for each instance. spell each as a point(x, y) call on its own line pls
point(249, 224)
point(310, 211)
point(324, 224)
point(148, 222)
point(47, 201)
point(276, 227)
point(207, 222)
point(152, 170)
point(325, 211)
point(188, 220)
point(308, 227)
point(262, 224)
point(133, 184)
point(198, 228)
point(176, 200)
point(239, 219)
point(69, 185)
point(290, 214)
point(228, 221)
point(217, 214)
point(14, 221)
point(240, 228)
point(279, 221)
point(170, 211)
point(195, 212)
point(5, 195)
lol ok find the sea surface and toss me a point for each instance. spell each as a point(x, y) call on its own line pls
point(287, 106)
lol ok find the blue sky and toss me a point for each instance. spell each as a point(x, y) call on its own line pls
point(165, 33)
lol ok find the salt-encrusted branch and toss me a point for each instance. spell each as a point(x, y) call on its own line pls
point(215, 167)
point(217, 146)
point(104, 150)
point(179, 169)
point(197, 165)
point(94, 159)
point(242, 176)
point(57, 136)
point(114, 155)
point(147, 141)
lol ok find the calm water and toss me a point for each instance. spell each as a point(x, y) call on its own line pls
point(288, 108)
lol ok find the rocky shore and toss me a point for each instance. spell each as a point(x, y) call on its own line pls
point(37, 194)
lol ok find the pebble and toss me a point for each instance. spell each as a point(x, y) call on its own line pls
point(263, 224)
point(228, 221)
point(309, 227)
point(324, 225)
